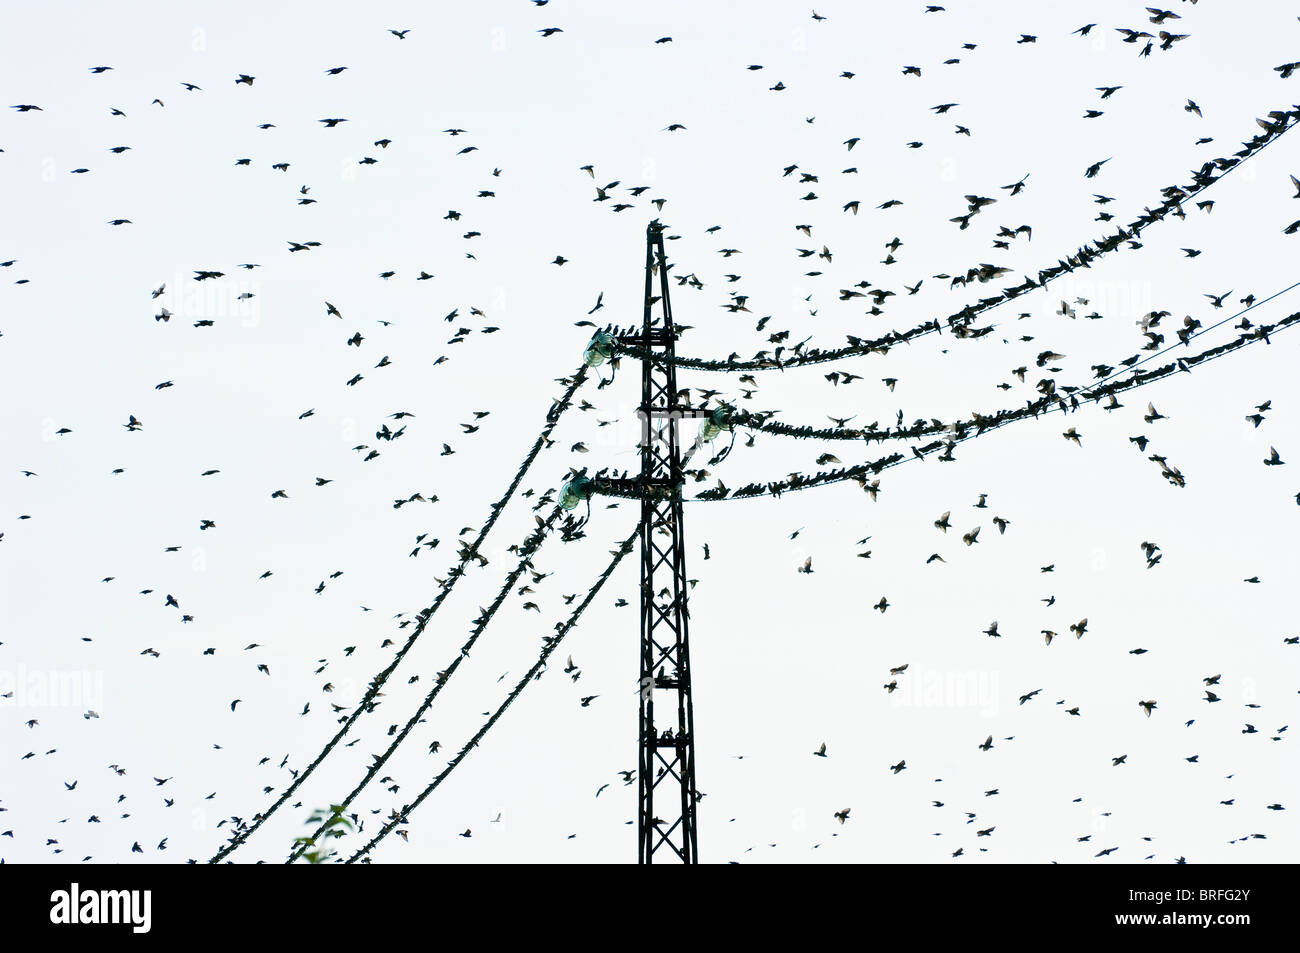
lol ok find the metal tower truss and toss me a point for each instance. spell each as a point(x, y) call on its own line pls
point(666, 822)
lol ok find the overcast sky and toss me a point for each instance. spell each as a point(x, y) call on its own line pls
point(783, 661)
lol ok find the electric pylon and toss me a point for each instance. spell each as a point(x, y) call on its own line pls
point(665, 824)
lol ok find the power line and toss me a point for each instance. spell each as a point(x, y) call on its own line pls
point(467, 554)
point(1174, 198)
point(982, 425)
point(765, 424)
point(1198, 332)
point(526, 551)
point(563, 630)
point(551, 643)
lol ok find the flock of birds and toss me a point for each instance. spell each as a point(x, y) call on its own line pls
point(1152, 554)
point(619, 197)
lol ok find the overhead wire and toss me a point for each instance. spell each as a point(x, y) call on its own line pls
point(1175, 196)
point(467, 554)
point(550, 644)
point(967, 430)
point(764, 423)
point(526, 551)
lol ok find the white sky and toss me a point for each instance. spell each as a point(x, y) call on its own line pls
point(782, 661)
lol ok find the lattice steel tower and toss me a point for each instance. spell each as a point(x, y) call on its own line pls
point(666, 824)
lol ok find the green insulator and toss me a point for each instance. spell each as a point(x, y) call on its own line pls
point(715, 423)
point(573, 493)
point(599, 350)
